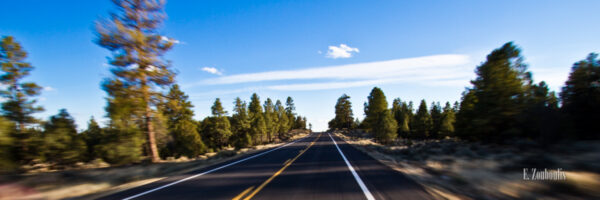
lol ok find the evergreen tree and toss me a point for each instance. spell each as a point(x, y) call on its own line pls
point(284, 125)
point(258, 126)
point(386, 127)
point(540, 115)
point(343, 114)
point(271, 119)
point(93, 137)
point(376, 104)
point(124, 137)
point(7, 160)
point(498, 96)
point(122, 145)
point(401, 114)
point(62, 144)
point(581, 96)
point(290, 109)
point(18, 106)
point(447, 122)
point(132, 35)
point(422, 122)
point(436, 118)
point(181, 125)
point(240, 125)
point(217, 128)
point(379, 118)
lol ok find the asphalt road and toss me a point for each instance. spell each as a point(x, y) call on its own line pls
point(313, 167)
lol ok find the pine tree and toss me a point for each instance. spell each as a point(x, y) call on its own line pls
point(401, 114)
point(376, 104)
point(258, 126)
point(132, 35)
point(7, 160)
point(343, 114)
point(93, 137)
point(447, 122)
point(386, 128)
point(18, 106)
point(498, 96)
point(290, 109)
point(284, 125)
point(181, 125)
point(581, 96)
point(62, 144)
point(422, 122)
point(240, 125)
point(271, 119)
point(218, 130)
point(379, 118)
point(436, 119)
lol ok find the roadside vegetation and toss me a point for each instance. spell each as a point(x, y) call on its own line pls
point(505, 122)
point(150, 118)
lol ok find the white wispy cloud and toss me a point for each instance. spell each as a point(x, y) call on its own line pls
point(448, 66)
point(165, 38)
point(48, 88)
point(212, 70)
point(434, 80)
point(343, 51)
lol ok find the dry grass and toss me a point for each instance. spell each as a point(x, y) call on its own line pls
point(88, 182)
point(456, 169)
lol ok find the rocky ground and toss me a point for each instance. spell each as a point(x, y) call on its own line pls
point(456, 169)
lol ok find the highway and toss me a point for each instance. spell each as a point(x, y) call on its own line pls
point(319, 166)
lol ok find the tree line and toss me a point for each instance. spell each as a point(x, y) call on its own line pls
point(502, 103)
point(150, 117)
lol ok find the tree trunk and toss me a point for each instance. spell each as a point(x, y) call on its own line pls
point(149, 128)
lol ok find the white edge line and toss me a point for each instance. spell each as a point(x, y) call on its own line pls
point(362, 185)
point(209, 171)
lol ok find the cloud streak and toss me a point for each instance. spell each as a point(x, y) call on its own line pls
point(447, 66)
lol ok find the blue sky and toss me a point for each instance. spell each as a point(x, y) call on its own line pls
point(411, 49)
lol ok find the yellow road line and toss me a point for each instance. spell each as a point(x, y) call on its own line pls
point(287, 161)
point(239, 196)
point(279, 172)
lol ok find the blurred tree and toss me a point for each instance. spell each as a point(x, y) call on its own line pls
point(581, 98)
point(422, 124)
point(343, 114)
point(436, 119)
point(402, 115)
point(447, 121)
point(18, 105)
point(386, 127)
point(62, 144)
point(497, 97)
point(93, 137)
point(240, 125)
point(181, 125)
point(7, 160)
point(132, 35)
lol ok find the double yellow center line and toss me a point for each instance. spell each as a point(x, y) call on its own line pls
point(286, 165)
